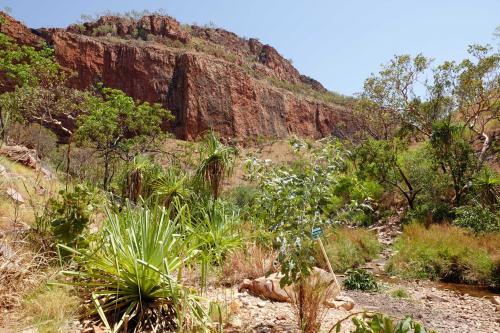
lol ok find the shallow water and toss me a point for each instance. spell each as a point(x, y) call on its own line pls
point(472, 290)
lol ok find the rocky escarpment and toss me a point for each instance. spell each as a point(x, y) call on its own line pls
point(208, 78)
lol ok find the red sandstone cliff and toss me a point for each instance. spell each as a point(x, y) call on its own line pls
point(208, 78)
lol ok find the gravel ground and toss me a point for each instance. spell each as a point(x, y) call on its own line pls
point(443, 310)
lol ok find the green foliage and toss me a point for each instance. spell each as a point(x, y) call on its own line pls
point(104, 29)
point(138, 178)
point(348, 248)
point(478, 218)
point(35, 90)
point(172, 185)
point(454, 155)
point(25, 65)
point(69, 216)
point(214, 232)
point(307, 90)
point(118, 127)
point(359, 279)
point(349, 189)
point(217, 162)
point(380, 323)
point(442, 252)
point(400, 293)
point(411, 172)
point(243, 196)
point(293, 200)
point(130, 271)
point(486, 185)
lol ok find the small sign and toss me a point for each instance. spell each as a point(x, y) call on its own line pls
point(316, 233)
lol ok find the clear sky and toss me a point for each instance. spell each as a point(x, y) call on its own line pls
point(336, 42)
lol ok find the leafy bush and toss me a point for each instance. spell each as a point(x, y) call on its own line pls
point(380, 323)
point(129, 272)
point(347, 248)
point(359, 279)
point(478, 218)
point(213, 231)
point(70, 215)
point(442, 252)
point(243, 196)
point(291, 201)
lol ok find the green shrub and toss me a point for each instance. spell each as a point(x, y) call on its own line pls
point(359, 279)
point(478, 218)
point(214, 231)
point(69, 216)
point(400, 293)
point(370, 322)
point(243, 196)
point(347, 248)
point(130, 271)
point(103, 30)
point(443, 252)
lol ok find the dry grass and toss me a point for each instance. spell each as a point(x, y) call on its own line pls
point(34, 188)
point(21, 270)
point(251, 262)
point(50, 309)
point(307, 298)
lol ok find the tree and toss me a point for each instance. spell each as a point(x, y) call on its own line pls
point(379, 160)
point(34, 89)
point(455, 156)
point(217, 162)
point(452, 108)
point(390, 104)
point(401, 101)
point(119, 128)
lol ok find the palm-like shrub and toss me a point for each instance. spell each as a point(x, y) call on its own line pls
point(131, 274)
point(213, 232)
point(138, 178)
point(172, 185)
point(216, 164)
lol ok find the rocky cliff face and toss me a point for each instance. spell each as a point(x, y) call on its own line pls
point(208, 78)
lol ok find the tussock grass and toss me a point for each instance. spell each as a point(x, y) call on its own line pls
point(348, 247)
point(444, 252)
point(400, 293)
point(50, 309)
point(307, 298)
point(20, 270)
point(251, 262)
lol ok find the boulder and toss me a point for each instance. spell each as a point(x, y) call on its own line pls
point(341, 302)
point(265, 287)
point(269, 288)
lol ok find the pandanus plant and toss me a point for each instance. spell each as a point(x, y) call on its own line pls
point(217, 163)
point(133, 275)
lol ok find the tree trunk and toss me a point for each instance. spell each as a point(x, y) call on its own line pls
point(106, 172)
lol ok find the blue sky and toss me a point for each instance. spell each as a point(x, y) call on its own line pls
point(338, 43)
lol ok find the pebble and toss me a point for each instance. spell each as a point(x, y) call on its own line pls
point(261, 304)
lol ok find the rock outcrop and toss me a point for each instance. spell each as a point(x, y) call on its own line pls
point(18, 31)
point(209, 78)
